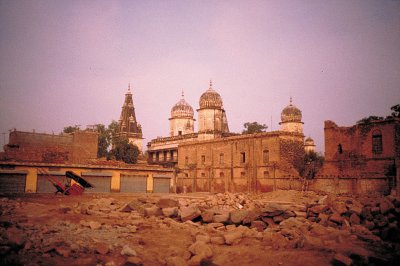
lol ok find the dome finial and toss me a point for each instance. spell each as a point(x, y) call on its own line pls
point(129, 87)
point(291, 100)
point(210, 83)
point(183, 94)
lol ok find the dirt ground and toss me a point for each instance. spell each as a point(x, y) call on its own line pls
point(121, 229)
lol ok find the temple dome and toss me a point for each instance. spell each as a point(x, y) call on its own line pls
point(182, 109)
point(291, 113)
point(210, 99)
point(309, 141)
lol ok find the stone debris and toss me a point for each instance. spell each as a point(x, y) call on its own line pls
point(352, 230)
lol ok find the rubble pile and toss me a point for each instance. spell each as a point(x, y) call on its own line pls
point(201, 230)
point(381, 217)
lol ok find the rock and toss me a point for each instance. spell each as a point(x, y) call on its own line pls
point(323, 200)
point(300, 214)
point(237, 216)
point(176, 261)
point(127, 251)
point(341, 260)
point(201, 248)
point(356, 207)
point(207, 216)
point(152, 211)
point(385, 206)
point(269, 222)
point(335, 217)
point(339, 206)
point(318, 208)
point(323, 218)
point(274, 239)
point(16, 237)
point(189, 213)
point(215, 225)
point(221, 217)
point(63, 251)
point(167, 203)
point(170, 211)
point(313, 242)
point(203, 238)
point(133, 261)
point(319, 230)
point(252, 215)
point(217, 240)
point(272, 209)
point(94, 225)
point(259, 225)
point(380, 220)
point(288, 214)
point(375, 210)
point(101, 248)
point(366, 213)
point(233, 237)
point(277, 219)
point(369, 224)
point(354, 219)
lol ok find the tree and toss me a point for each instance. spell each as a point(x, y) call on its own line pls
point(112, 131)
point(369, 119)
point(124, 151)
point(104, 140)
point(253, 127)
point(71, 129)
point(310, 165)
point(396, 110)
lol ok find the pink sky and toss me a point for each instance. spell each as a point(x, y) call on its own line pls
point(69, 62)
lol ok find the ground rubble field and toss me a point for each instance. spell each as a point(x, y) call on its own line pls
point(276, 228)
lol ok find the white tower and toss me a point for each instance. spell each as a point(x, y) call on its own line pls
point(212, 117)
point(291, 119)
point(181, 121)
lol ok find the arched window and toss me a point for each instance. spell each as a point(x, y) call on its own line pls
point(377, 146)
point(221, 175)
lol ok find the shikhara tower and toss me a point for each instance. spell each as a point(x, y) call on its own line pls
point(128, 127)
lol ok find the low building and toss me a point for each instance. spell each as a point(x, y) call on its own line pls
point(31, 177)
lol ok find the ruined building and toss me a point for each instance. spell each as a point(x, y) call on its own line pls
point(363, 158)
point(128, 127)
point(215, 160)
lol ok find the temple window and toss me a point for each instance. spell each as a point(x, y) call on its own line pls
point(221, 158)
point(265, 156)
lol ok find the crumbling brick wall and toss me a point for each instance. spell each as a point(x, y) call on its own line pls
point(49, 148)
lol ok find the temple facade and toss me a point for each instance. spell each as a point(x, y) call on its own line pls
point(216, 160)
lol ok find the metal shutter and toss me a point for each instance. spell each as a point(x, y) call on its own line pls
point(45, 186)
point(102, 184)
point(131, 184)
point(161, 184)
point(12, 183)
